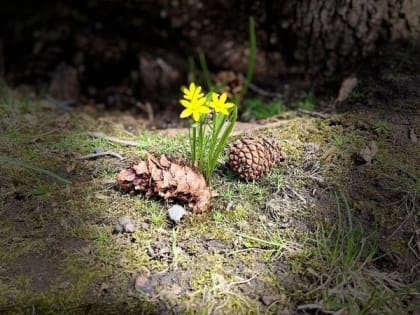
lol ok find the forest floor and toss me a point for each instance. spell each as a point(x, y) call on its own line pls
point(328, 231)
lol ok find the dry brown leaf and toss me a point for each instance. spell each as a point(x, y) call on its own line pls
point(367, 154)
point(347, 87)
point(413, 136)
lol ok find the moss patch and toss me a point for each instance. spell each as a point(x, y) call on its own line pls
point(256, 252)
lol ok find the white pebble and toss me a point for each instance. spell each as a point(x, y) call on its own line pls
point(129, 227)
point(176, 212)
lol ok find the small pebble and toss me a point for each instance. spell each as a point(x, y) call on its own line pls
point(143, 284)
point(130, 227)
point(118, 228)
point(98, 150)
point(125, 220)
point(145, 226)
point(176, 212)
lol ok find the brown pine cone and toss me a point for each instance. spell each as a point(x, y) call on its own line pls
point(165, 178)
point(251, 157)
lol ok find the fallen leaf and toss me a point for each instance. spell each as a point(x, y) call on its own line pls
point(270, 299)
point(63, 285)
point(330, 154)
point(70, 168)
point(412, 135)
point(347, 87)
point(101, 196)
point(171, 293)
point(367, 154)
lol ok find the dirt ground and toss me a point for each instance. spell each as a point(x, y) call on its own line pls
point(332, 230)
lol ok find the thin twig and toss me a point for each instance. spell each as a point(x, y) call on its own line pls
point(101, 135)
point(147, 107)
point(39, 136)
point(411, 212)
point(259, 90)
point(315, 307)
point(99, 154)
point(257, 127)
point(63, 104)
point(313, 114)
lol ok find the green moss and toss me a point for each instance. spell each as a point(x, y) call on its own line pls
point(248, 240)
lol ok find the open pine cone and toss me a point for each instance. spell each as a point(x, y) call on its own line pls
point(251, 157)
point(165, 178)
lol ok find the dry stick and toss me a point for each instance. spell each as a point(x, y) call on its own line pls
point(99, 154)
point(259, 90)
point(101, 135)
point(256, 127)
point(65, 104)
point(39, 136)
point(313, 114)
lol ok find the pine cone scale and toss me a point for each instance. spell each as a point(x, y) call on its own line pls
point(252, 157)
point(165, 178)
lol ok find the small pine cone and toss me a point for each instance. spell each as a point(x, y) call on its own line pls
point(251, 157)
point(168, 179)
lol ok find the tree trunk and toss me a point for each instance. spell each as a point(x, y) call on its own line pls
point(312, 36)
point(330, 33)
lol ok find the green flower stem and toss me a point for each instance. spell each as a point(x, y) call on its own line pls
point(193, 142)
point(213, 161)
point(206, 72)
point(209, 133)
point(218, 123)
point(251, 60)
point(201, 143)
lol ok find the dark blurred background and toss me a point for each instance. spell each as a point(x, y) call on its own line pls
point(121, 52)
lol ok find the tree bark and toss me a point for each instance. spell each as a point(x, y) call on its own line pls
point(311, 36)
point(329, 33)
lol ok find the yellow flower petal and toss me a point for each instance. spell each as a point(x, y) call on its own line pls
point(196, 116)
point(204, 110)
point(229, 105)
point(192, 92)
point(185, 103)
point(185, 113)
point(218, 103)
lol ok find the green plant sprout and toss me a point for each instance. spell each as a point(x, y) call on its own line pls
point(308, 103)
point(213, 121)
point(255, 108)
point(218, 216)
point(358, 96)
point(175, 249)
point(382, 127)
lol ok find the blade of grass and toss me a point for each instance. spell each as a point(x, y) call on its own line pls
point(205, 69)
point(251, 60)
point(18, 163)
point(191, 69)
point(223, 139)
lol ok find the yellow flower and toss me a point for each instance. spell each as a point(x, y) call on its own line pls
point(194, 102)
point(192, 92)
point(219, 104)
